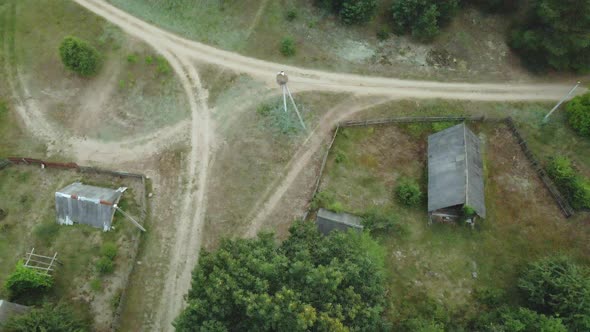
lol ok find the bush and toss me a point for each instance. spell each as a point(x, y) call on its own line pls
point(78, 56)
point(287, 46)
point(423, 18)
point(49, 318)
point(350, 11)
point(376, 221)
point(554, 35)
point(105, 265)
point(578, 114)
point(575, 188)
point(109, 250)
point(557, 286)
point(408, 192)
point(357, 11)
point(291, 15)
point(27, 281)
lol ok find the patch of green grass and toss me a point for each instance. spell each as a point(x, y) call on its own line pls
point(96, 285)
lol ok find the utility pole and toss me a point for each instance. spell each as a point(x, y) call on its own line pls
point(546, 118)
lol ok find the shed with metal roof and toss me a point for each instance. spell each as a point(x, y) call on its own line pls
point(9, 309)
point(455, 172)
point(328, 221)
point(83, 204)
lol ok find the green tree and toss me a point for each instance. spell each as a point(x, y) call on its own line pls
point(79, 56)
point(49, 318)
point(423, 18)
point(27, 281)
point(557, 286)
point(308, 283)
point(350, 11)
point(408, 192)
point(555, 35)
point(578, 114)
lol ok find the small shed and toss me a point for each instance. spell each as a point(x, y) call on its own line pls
point(455, 173)
point(328, 221)
point(9, 309)
point(83, 204)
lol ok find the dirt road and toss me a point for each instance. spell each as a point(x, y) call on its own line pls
point(181, 53)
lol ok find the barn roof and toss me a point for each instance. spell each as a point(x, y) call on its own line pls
point(328, 221)
point(92, 193)
point(455, 170)
point(9, 309)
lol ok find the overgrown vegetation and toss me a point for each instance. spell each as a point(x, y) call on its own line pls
point(350, 11)
point(408, 192)
point(287, 46)
point(106, 263)
point(578, 114)
point(27, 281)
point(575, 187)
point(79, 56)
point(49, 318)
point(309, 282)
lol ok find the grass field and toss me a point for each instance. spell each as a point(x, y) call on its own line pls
point(471, 48)
point(27, 194)
point(134, 92)
point(431, 267)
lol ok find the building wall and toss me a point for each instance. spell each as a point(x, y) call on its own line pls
point(82, 211)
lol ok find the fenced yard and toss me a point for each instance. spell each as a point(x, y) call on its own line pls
point(439, 267)
point(27, 195)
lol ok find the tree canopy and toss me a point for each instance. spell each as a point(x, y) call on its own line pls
point(555, 35)
point(422, 18)
point(307, 283)
point(557, 286)
point(350, 11)
point(79, 56)
point(574, 186)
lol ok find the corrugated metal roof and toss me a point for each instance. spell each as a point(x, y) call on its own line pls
point(91, 192)
point(455, 170)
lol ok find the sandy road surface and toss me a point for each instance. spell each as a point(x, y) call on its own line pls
point(307, 79)
point(180, 52)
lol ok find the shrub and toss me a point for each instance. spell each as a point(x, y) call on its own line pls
point(105, 265)
point(376, 221)
point(291, 15)
point(422, 18)
point(78, 56)
point(287, 46)
point(132, 58)
point(468, 211)
point(578, 114)
point(557, 286)
point(322, 199)
point(27, 281)
point(340, 157)
point(408, 192)
point(575, 187)
point(109, 250)
point(163, 67)
point(554, 34)
point(149, 59)
point(357, 11)
point(49, 318)
point(47, 231)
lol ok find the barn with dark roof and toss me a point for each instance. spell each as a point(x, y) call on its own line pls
point(455, 174)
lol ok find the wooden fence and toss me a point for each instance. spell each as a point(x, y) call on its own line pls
point(565, 207)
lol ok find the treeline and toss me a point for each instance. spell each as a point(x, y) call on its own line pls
point(548, 34)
